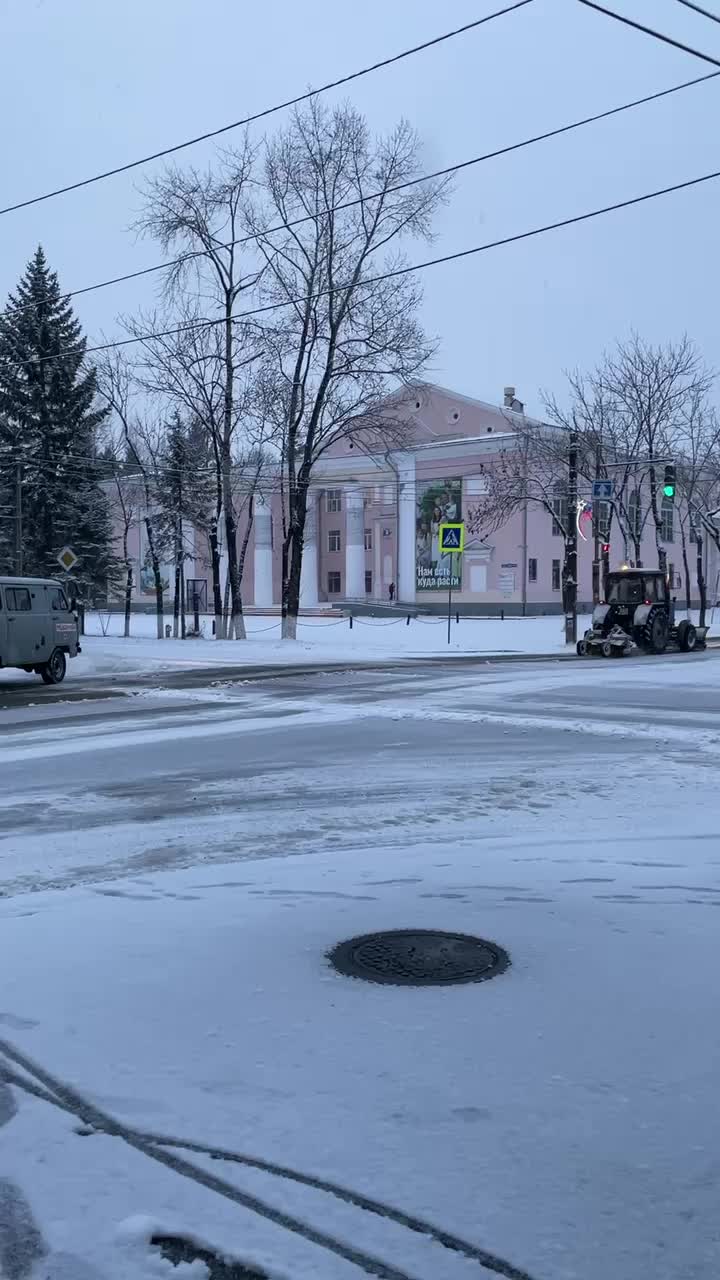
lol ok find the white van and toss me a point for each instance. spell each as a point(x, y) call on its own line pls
point(38, 628)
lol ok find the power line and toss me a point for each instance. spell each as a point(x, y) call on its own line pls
point(706, 13)
point(268, 111)
point(648, 31)
point(208, 322)
point(428, 177)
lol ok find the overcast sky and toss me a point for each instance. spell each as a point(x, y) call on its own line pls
point(87, 85)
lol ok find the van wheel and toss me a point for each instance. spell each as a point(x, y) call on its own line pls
point(53, 671)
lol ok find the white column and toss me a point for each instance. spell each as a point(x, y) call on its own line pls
point(309, 569)
point(262, 564)
point(406, 516)
point(379, 587)
point(354, 543)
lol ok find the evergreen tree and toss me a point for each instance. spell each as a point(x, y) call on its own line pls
point(48, 423)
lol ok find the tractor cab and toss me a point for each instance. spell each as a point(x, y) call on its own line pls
point(629, 588)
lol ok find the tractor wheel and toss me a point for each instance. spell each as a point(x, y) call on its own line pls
point(581, 648)
point(654, 636)
point(607, 649)
point(686, 636)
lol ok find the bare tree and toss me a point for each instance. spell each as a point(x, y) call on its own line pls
point(344, 337)
point(652, 390)
point(143, 440)
point(698, 482)
point(606, 451)
point(200, 214)
point(531, 470)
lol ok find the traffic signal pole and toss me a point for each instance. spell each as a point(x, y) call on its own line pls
point(571, 545)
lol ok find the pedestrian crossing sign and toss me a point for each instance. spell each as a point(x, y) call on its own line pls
point(452, 538)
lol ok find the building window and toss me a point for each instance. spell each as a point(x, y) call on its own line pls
point(556, 575)
point(333, 500)
point(333, 540)
point(560, 511)
point(368, 582)
point(368, 539)
point(671, 579)
point(532, 570)
point(667, 517)
point(334, 584)
point(635, 516)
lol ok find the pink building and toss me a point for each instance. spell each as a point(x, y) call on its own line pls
point(373, 521)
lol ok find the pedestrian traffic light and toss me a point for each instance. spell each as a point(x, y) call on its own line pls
point(669, 482)
point(606, 548)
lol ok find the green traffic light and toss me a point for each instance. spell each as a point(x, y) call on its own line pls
point(669, 490)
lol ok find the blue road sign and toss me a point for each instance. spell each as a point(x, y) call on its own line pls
point(602, 490)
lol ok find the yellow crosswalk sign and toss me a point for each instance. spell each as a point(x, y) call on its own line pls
point(451, 537)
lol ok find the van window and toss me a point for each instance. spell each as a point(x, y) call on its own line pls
point(18, 599)
point(56, 598)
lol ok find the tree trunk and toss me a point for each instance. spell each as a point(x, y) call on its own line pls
point(128, 583)
point(292, 558)
point(128, 600)
point(176, 600)
point(291, 589)
point(284, 579)
point(226, 605)
point(157, 576)
point(237, 621)
point(702, 586)
point(216, 573)
point(686, 568)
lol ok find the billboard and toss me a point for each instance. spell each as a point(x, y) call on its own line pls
point(436, 502)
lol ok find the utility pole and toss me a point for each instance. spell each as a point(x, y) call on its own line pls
point(18, 521)
point(571, 547)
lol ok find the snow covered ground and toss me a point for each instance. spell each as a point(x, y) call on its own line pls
point(561, 1118)
point(106, 652)
point(319, 640)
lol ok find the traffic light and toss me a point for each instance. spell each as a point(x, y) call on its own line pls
point(606, 548)
point(669, 481)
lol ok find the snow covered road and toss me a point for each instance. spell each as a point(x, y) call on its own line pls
point(176, 868)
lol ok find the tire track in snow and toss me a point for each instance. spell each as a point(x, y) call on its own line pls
point(59, 1094)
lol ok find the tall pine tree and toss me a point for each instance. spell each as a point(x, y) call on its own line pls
point(49, 420)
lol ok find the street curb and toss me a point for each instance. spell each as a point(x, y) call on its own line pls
point(274, 671)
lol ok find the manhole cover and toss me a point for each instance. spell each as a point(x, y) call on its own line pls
point(419, 958)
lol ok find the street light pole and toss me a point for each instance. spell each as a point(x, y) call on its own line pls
point(571, 547)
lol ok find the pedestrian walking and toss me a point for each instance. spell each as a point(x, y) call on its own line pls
point(391, 591)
